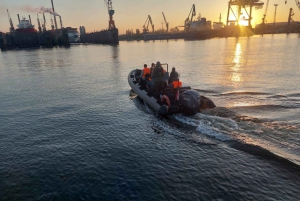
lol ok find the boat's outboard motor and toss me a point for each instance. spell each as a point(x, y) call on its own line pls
point(190, 100)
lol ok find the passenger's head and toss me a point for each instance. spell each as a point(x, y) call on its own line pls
point(158, 64)
point(145, 65)
point(152, 65)
point(173, 69)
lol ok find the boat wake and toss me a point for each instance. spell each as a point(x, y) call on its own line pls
point(261, 137)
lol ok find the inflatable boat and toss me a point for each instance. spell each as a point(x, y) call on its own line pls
point(173, 100)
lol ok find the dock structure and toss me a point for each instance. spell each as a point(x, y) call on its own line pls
point(105, 36)
point(246, 6)
point(26, 36)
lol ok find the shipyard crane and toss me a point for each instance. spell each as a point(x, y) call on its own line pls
point(290, 19)
point(44, 23)
point(52, 25)
point(189, 19)
point(265, 13)
point(111, 12)
point(148, 21)
point(39, 24)
point(11, 29)
point(167, 23)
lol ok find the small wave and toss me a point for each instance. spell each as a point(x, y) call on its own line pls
point(208, 130)
point(141, 105)
point(221, 112)
point(264, 107)
point(264, 153)
point(206, 91)
point(243, 93)
point(277, 96)
point(132, 94)
point(186, 120)
point(159, 126)
point(293, 95)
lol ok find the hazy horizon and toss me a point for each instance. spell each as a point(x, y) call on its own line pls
point(133, 13)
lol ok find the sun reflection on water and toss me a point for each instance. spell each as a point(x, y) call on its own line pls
point(236, 76)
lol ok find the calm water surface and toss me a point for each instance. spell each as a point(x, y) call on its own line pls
point(72, 129)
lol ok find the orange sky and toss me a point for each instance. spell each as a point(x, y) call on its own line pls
point(132, 14)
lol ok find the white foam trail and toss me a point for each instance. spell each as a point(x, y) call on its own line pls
point(159, 124)
point(212, 126)
point(208, 130)
point(186, 120)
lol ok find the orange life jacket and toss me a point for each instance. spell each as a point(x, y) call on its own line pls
point(177, 84)
point(145, 72)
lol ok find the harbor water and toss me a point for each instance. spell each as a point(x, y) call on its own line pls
point(72, 129)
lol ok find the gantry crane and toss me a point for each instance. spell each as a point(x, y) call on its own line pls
point(148, 21)
point(189, 19)
point(111, 12)
point(167, 23)
point(11, 29)
point(241, 9)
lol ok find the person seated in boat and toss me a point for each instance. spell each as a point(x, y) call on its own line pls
point(145, 71)
point(175, 84)
point(173, 75)
point(158, 78)
point(152, 67)
point(149, 84)
point(149, 80)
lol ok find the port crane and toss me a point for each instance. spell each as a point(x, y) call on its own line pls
point(265, 13)
point(148, 21)
point(111, 12)
point(264, 16)
point(44, 23)
point(39, 23)
point(11, 29)
point(189, 19)
point(290, 19)
point(52, 25)
point(167, 23)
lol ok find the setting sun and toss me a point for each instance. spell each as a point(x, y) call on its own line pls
point(243, 22)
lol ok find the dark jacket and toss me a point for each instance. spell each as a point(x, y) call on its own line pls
point(173, 76)
point(158, 74)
